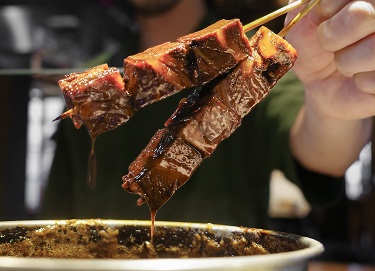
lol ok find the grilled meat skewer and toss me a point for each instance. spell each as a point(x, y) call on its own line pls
point(152, 75)
point(205, 118)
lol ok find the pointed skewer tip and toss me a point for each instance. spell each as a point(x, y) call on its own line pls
point(64, 115)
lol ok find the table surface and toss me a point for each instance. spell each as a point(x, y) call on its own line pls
point(328, 266)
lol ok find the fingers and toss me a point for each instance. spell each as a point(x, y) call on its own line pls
point(347, 36)
point(350, 35)
point(327, 8)
point(358, 57)
point(351, 23)
point(365, 81)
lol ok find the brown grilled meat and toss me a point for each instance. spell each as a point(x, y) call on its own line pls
point(102, 100)
point(97, 98)
point(193, 60)
point(205, 118)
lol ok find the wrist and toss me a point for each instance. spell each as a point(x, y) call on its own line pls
point(326, 144)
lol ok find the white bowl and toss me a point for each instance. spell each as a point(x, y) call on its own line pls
point(302, 249)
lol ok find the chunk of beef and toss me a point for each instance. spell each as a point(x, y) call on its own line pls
point(163, 166)
point(209, 115)
point(193, 60)
point(102, 101)
point(208, 125)
point(97, 98)
point(156, 73)
point(278, 56)
point(252, 79)
point(216, 49)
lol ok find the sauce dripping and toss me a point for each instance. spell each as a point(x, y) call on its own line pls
point(153, 215)
point(91, 166)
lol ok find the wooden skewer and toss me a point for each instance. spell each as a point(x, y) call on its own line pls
point(254, 24)
point(298, 17)
point(274, 15)
point(66, 114)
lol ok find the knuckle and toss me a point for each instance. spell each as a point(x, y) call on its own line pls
point(365, 82)
point(325, 36)
point(341, 64)
point(325, 9)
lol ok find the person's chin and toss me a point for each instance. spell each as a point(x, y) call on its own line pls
point(153, 7)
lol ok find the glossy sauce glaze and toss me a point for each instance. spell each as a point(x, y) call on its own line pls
point(204, 119)
point(97, 99)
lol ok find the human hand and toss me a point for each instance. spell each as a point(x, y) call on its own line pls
point(336, 64)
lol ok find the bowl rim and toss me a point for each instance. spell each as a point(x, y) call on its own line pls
point(313, 248)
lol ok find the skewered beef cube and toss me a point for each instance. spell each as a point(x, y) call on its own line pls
point(243, 87)
point(97, 98)
point(278, 56)
point(208, 125)
point(251, 80)
point(156, 73)
point(213, 112)
point(162, 167)
point(216, 48)
point(194, 60)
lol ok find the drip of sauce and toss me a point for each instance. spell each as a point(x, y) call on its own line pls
point(153, 215)
point(91, 167)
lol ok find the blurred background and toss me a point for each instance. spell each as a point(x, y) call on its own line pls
point(43, 40)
